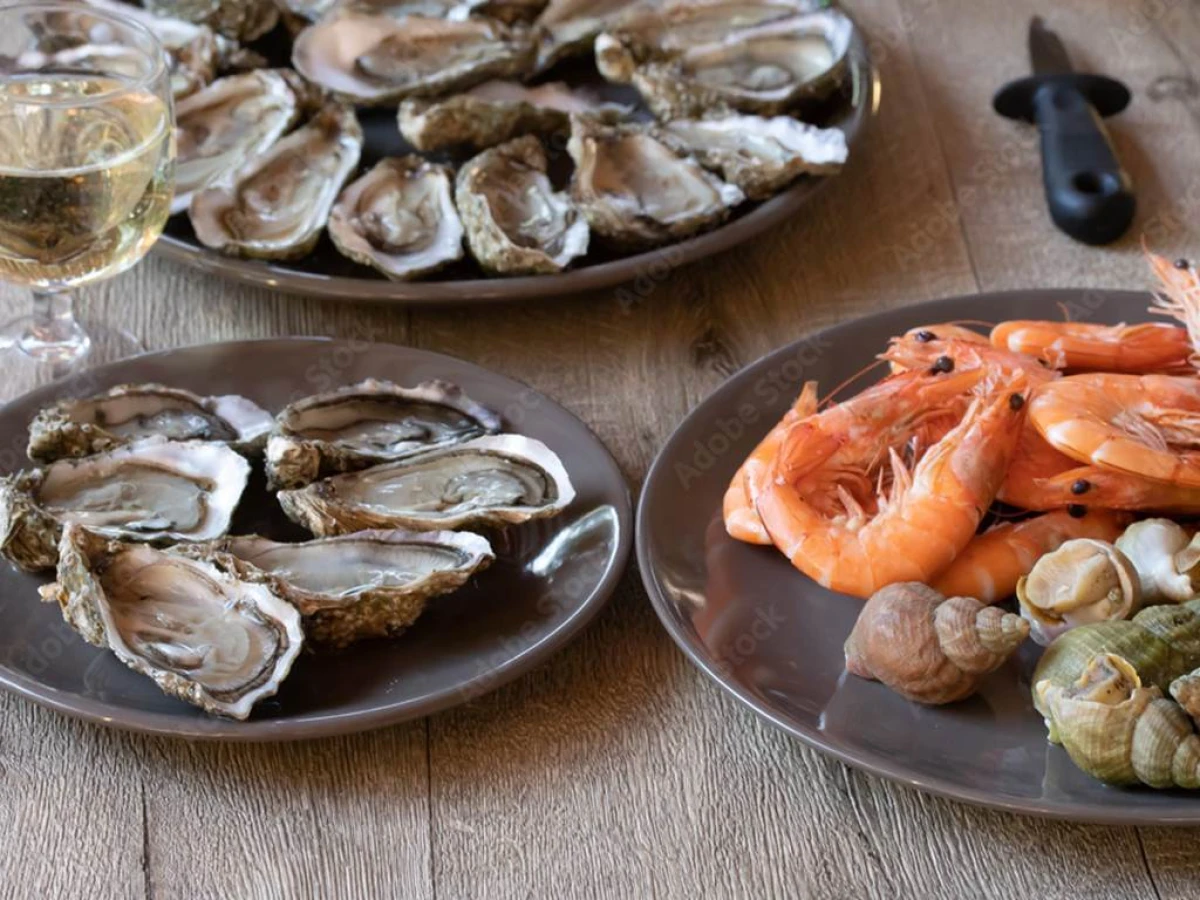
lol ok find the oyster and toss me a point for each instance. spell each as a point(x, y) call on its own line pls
point(760, 156)
point(637, 191)
point(568, 27)
point(494, 112)
point(508, 11)
point(241, 20)
point(491, 480)
point(516, 222)
point(204, 628)
point(369, 423)
point(132, 412)
point(376, 60)
point(276, 206)
point(152, 490)
point(767, 69)
point(306, 10)
point(227, 124)
point(399, 218)
point(367, 584)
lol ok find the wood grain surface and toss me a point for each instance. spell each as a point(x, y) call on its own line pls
point(617, 770)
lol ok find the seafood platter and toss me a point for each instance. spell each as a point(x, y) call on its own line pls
point(996, 518)
point(459, 140)
point(381, 501)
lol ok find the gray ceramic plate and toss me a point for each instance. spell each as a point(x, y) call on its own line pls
point(326, 273)
point(550, 578)
point(773, 638)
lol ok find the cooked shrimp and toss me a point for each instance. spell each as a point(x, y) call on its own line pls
point(1179, 298)
point(741, 521)
point(1147, 425)
point(928, 516)
point(990, 565)
point(938, 350)
point(1137, 349)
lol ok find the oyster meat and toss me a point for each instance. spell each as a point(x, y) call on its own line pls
point(494, 112)
point(491, 480)
point(369, 423)
point(516, 222)
point(638, 191)
point(759, 155)
point(375, 60)
point(367, 584)
point(152, 490)
point(568, 27)
point(241, 20)
point(205, 628)
point(508, 11)
point(227, 124)
point(767, 69)
point(399, 218)
point(276, 206)
point(132, 412)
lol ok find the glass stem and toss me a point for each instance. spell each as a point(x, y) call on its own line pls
point(54, 336)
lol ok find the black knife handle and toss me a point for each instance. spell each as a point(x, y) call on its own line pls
point(1089, 194)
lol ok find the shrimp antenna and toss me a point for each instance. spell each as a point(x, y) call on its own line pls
point(864, 371)
point(981, 323)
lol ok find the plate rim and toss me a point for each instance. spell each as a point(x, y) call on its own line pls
point(286, 730)
point(602, 276)
point(870, 762)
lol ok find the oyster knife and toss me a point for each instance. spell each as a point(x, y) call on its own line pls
point(1089, 194)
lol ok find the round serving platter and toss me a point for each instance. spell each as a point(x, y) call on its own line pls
point(548, 581)
point(773, 638)
point(326, 273)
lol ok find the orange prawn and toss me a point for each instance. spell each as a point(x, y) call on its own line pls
point(990, 565)
point(1137, 349)
point(1142, 425)
point(929, 515)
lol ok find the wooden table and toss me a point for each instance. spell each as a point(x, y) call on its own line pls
point(617, 769)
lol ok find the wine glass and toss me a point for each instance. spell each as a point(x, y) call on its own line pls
point(87, 172)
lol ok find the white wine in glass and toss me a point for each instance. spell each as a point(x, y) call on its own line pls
point(86, 167)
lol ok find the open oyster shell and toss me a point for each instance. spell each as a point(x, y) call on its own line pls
point(375, 60)
point(153, 491)
point(492, 480)
point(370, 423)
point(759, 155)
point(227, 124)
point(568, 27)
point(399, 218)
point(516, 222)
point(366, 584)
point(241, 20)
point(276, 206)
point(638, 191)
point(494, 112)
point(204, 628)
point(132, 412)
point(767, 69)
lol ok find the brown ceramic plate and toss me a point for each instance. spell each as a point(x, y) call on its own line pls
point(326, 273)
point(773, 638)
point(550, 578)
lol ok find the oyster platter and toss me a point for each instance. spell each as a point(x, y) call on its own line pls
point(391, 497)
point(460, 140)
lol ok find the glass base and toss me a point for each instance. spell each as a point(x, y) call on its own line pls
point(23, 372)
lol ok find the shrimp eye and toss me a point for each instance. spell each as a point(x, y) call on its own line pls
point(1015, 402)
point(1076, 511)
point(1082, 486)
point(943, 364)
point(1182, 263)
point(925, 336)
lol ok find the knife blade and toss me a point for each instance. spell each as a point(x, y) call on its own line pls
point(1046, 50)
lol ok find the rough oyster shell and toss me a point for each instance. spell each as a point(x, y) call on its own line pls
point(638, 191)
point(153, 491)
point(568, 27)
point(241, 20)
point(491, 480)
point(761, 156)
point(276, 206)
point(132, 412)
point(227, 124)
point(374, 60)
point(767, 69)
point(366, 584)
point(202, 626)
point(516, 222)
point(370, 423)
point(399, 218)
